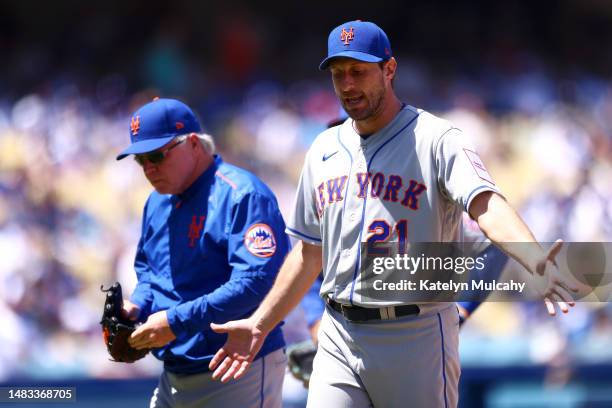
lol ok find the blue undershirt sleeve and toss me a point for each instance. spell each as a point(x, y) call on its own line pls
point(494, 262)
point(312, 304)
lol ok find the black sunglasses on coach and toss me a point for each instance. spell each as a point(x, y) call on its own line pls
point(157, 156)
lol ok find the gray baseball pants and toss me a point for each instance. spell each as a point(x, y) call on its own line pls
point(260, 387)
point(409, 362)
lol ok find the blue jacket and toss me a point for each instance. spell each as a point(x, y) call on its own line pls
point(210, 254)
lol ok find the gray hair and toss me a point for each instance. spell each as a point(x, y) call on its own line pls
point(206, 140)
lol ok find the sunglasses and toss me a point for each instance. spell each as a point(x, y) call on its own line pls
point(157, 156)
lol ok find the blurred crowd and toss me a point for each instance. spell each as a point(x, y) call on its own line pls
point(70, 213)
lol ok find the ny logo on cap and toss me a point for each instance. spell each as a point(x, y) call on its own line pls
point(347, 36)
point(135, 125)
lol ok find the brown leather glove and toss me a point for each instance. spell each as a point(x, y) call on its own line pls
point(117, 329)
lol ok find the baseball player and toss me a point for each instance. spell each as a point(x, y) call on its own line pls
point(494, 262)
point(389, 172)
point(211, 245)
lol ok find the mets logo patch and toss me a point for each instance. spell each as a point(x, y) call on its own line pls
point(260, 241)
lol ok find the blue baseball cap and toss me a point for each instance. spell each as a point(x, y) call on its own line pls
point(157, 123)
point(361, 40)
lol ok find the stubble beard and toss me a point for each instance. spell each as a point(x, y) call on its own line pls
point(374, 107)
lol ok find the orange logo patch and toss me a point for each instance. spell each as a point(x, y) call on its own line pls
point(260, 241)
point(347, 36)
point(135, 125)
point(179, 125)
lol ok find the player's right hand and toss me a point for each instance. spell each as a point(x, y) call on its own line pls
point(244, 340)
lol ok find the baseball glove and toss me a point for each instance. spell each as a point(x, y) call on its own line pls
point(300, 358)
point(117, 329)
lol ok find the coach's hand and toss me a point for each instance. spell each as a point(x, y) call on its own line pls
point(244, 340)
point(130, 310)
point(556, 287)
point(155, 332)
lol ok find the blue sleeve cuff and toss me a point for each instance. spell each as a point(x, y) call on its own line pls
point(176, 323)
point(140, 298)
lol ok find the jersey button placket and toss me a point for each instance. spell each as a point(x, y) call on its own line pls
point(363, 163)
point(353, 210)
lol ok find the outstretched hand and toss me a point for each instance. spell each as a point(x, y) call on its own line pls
point(244, 340)
point(557, 287)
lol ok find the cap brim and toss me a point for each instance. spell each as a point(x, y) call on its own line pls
point(358, 55)
point(144, 146)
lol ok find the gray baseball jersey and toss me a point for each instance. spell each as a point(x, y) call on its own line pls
point(410, 182)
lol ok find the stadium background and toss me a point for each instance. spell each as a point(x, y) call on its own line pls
point(530, 81)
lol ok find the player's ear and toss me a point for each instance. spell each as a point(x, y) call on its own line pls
point(193, 140)
point(389, 68)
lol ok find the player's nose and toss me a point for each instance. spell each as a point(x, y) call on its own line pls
point(346, 87)
point(149, 167)
point(344, 82)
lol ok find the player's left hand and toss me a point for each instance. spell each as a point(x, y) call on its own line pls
point(155, 332)
point(557, 287)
